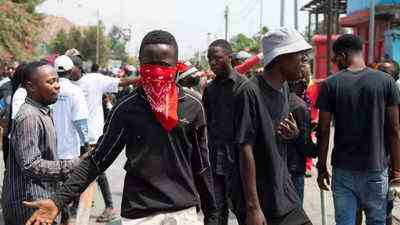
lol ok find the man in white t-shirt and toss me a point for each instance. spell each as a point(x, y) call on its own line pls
point(70, 114)
point(94, 86)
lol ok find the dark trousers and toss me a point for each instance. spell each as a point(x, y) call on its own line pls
point(298, 182)
point(223, 201)
point(69, 211)
point(295, 217)
point(105, 190)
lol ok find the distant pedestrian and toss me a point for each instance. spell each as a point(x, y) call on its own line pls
point(218, 99)
point(392, 68)
point(70, 115)
point(9, 98)
point(302, 147)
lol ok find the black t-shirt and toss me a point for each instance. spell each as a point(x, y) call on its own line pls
point(358, 101)
point(218, 100)
point(254, 126)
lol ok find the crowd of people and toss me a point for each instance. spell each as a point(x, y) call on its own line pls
point(238, 142)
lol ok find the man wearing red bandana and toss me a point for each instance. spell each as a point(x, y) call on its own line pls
point(163, 130)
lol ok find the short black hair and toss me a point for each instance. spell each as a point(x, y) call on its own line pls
point(31, 69)
point(63, 74)
point(77, 61)
point(19, 74)
point(95, 68)
point(158, 37)
point(347, 44)
point(395, 65)
point(222, 43)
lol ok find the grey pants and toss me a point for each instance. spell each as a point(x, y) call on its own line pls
point(183, 217)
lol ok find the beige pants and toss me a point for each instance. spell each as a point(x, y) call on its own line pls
point(183, 217)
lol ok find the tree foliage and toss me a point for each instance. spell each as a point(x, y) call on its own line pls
point(241, 42)
point(117, 45)
point(85, 40)
point(19, 25)
point(111, 45)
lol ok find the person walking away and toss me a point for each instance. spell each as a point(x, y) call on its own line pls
point(33, 169)
point(392, 68)
point(167, 170)
point(364, 104)
point(263, 125)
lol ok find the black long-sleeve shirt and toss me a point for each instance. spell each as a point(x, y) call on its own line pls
point(166, 171)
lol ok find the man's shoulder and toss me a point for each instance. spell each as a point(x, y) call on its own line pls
point(128, 100)
point(193, 93)
point(192, 97)
point(376, 74)
point(247, 87)
point(297, 102)
point(27, 111)
point(71, 89)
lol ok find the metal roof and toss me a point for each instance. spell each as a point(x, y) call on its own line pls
point(321, 6)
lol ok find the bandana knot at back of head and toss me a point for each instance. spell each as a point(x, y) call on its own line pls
point(158, 83)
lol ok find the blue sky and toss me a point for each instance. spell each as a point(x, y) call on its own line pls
point(189, 20)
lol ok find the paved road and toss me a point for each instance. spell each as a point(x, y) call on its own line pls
point(116, 177)
point(312, 203)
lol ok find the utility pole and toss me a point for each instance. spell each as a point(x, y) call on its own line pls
point(208, 39)
point(98, 38)
point(296, 14)
point(371, 42)
point(226, 22)
point(282, 13)
point(261, 14)
point(329, 38)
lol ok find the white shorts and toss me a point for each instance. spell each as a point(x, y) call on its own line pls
point(183, 217)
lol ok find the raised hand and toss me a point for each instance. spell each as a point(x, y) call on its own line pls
point(288, 129)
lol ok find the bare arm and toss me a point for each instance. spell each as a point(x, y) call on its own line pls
point(255, 215)
point(248, 175)
point(324, 130)
point(393, 138)
point(126, 81)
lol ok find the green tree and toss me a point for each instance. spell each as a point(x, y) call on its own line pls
point(75, 38)
point(117, 45)
point(88, 49)
point(59, 43)
point(200, 61)
point(19, 25)
point(85, 41)
point(241, 42)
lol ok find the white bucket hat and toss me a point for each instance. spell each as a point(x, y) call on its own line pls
point(282, 41)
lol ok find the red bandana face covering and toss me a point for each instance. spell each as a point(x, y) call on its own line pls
point(158, 83)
